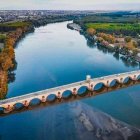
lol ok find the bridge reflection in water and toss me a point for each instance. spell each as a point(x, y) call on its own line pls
point(76, 91)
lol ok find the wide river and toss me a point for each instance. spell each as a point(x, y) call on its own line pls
point(52, 56)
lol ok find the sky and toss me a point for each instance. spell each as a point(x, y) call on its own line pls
point(70, 4)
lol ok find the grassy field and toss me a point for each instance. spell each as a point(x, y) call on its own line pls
point(113, 26)
point(127, 29)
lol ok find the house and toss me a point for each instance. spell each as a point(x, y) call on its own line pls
point(120, 40)
point(111, 45)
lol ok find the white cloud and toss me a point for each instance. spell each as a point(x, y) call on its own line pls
point(70, 4)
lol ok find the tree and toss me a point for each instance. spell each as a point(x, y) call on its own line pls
point(128, 39)
point(91, 31)
point(107, 37)
point(135, 44)
point(135, 52)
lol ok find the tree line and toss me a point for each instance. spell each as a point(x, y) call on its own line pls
point(7, 56)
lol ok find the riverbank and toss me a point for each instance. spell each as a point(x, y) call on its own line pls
point(38, 69)
point(110, 42)
point(118, 33)
point(14, 32)
point(74, 26)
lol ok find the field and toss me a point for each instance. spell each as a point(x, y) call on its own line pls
point(15, 24)
point(113, 26)
point(117, 28)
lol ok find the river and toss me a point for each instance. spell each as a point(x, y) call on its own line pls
point(54, 55)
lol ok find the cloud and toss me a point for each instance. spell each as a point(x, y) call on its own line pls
point(70, 4)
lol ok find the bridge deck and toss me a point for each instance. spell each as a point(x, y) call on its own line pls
point(51, 90)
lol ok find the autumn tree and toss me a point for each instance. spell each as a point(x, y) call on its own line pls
point(128, 39)
point(91, 31)
point(107, 37)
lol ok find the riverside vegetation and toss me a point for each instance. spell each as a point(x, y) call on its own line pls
point(118, 30)
point(109, 29)
point(10, 34)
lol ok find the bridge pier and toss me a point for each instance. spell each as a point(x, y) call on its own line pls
point(134, 78)
point(121, 80)
point(74, 92)
point(59, 96)
point(107, 84)
point(90, 89)
point(8, 109)
point(26, 103)
point(43, 100)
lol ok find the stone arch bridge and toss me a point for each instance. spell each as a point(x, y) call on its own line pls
point(8, 104)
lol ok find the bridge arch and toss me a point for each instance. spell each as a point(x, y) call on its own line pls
point(138, 77)
point(35, 101)
point(127, 79)
point(82, 90)
point(51, 97)
point(18, 106)
point(99, 86)
point(2, 110)
point(113, 82)
point(67, 94)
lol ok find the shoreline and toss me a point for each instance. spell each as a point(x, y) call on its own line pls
point(14, 36)
point(92, 39)
point(23, 33)
point(7, 56)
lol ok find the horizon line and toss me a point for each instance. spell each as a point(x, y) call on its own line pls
point(127, 10)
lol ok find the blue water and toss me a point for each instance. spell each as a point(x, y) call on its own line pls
point(54, 55)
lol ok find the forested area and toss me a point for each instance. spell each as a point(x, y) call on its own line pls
point(7, 55)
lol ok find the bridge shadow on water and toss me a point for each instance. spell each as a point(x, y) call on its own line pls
point(36, 104)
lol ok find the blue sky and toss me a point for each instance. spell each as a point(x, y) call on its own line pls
point(71, 4)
